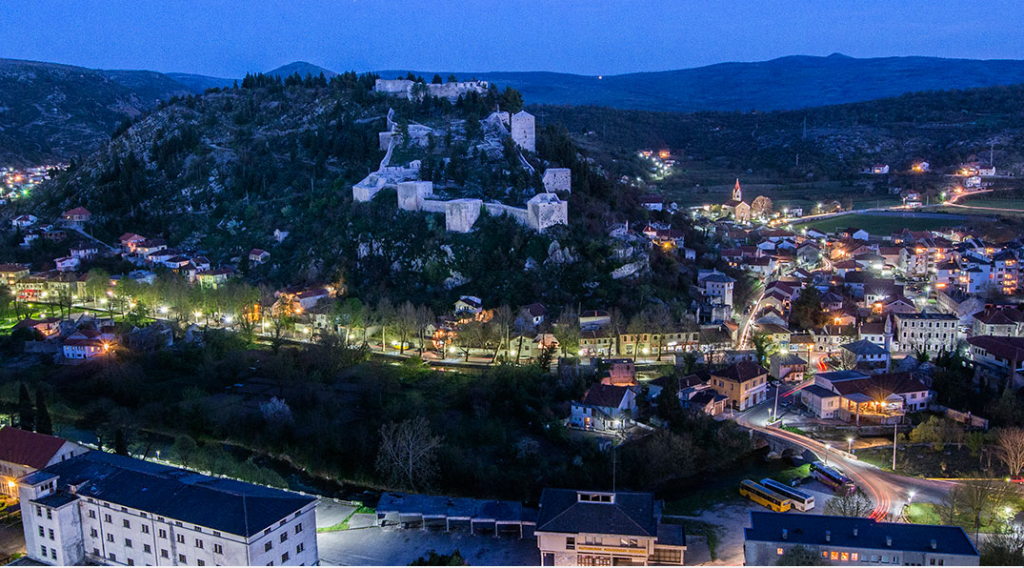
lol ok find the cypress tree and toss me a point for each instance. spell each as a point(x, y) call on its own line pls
point(43, 423)
point(120, 445)
point(26, 417)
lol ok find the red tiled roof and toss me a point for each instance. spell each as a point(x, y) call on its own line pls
point(28, 448)
point(79, 211)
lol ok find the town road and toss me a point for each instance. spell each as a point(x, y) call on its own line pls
point(889, 491)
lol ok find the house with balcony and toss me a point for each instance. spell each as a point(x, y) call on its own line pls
point(878, 399)
point(603, 528)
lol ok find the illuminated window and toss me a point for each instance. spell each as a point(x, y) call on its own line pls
point(853, 556)
point(824, 554)
point(779, 551)
point(845, 557)
point(835, 555)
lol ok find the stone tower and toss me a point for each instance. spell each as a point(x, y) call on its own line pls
point(737, 193)
point(523, 131)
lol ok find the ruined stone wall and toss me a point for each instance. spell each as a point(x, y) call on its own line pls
point(411, 194)
point(546, 210)
point(557, 179)
point(461, 214)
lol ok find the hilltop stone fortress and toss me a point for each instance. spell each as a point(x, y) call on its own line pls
point(542, 211)
point(412, 89)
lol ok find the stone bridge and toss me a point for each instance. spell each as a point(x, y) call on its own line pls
point(779, 447)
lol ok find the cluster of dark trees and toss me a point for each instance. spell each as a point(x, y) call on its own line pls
point(34, 418)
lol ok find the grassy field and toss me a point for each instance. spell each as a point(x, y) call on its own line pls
point(879, 225)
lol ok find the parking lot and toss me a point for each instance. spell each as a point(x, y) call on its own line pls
point(399, 547)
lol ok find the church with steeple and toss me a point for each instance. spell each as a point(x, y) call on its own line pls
point(739, 209)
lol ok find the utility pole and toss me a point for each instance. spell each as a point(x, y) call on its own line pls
point(775, 412)
point(894, 425)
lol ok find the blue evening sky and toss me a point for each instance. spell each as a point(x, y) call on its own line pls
point(227, 38)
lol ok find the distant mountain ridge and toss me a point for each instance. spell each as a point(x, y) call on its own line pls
point(50, 111)
point(786, 83)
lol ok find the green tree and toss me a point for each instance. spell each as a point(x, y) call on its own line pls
point(435, 559)
point(511, 100)
point(764, 346)
point(43, 423)
point(437, 80)
point(120, 444)
point(567, 331)
point(26, 416)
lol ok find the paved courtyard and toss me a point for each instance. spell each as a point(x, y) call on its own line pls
point(399, 547)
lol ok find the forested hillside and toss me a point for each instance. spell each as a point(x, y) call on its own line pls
point(944, 127)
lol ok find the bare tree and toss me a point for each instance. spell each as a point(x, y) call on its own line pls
point(949, 505)
point(408, 453)
point(847, 360)
point(405, 324)
point(424, 319)
point(854, 504)
point(1010, 447)
point(503, 320)
point(980, 498)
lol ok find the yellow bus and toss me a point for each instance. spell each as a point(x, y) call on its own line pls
point(765, 497)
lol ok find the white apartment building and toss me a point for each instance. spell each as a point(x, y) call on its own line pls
point(106, 509)
point(855, 541)
point(928, 332)
point(22, 452)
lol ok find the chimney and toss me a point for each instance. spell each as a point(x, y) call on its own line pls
point(828, 536)
point(934, 544)
point(888, 541)
point(854, 531)
point(785, 534)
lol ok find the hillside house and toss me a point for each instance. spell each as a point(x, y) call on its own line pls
point(76, 218)
point(12, 272)
point(532, 315)
point(604, 408)
point(469, 305)
point(24, 221)
point(258, 256)
point(67, 263)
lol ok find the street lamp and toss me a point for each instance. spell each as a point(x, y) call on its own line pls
point(827, 448)
point(163, 310)
point(849, 445)
point(912, 493)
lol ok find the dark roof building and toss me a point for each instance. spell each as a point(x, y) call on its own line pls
point(217, 503)
point(856, 540)
point(605, 528)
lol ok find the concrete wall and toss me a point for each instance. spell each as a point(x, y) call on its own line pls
point(432, 205)
point(523, 131)
point(557, 179)
point(546, 210)
point(412, 193)
point(461, 214)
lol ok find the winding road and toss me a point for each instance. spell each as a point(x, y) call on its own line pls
point(889, 491)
